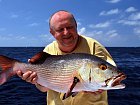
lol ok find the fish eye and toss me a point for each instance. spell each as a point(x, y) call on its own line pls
point(102, 66)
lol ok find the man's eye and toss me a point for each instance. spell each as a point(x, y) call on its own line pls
point(70, 27)
point(60, 30)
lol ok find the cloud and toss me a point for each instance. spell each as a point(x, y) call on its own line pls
point(131, 9)
point(100, 25)
point(113, 1)
point(79, 23)
point(33, 24)
point(47, 20)
point(46, 38)
point(129, 22)
point(137, 30)
point(110, 12)
point(97, 34)
point(135, 16)
point(6, 37)
point(2, 29)
point(20, 37)
point(82, 30)
point(14, 16)
point(112, 33)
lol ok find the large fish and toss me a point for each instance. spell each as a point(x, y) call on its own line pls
point(58, 72)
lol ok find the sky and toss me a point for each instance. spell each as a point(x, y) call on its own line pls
point(114, 23)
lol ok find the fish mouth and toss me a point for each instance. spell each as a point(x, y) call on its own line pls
point(116, 81)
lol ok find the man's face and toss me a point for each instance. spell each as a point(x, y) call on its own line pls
point(64, 30)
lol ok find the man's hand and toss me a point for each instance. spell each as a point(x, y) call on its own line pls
point(30, 76)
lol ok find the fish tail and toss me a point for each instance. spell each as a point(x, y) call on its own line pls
point(6, 68)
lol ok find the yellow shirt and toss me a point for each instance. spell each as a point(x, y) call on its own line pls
point(85, 45)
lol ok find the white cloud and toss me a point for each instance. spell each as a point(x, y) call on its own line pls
point(113, 1)
point(97, 34)
point(79, 23)
point(100, 25)
point(112, 33)
point(2, 29)
point(14, 16)
point(43, 35)
point(131, 9)
point(137, 30)
point(82, 30)
point(129, 22)
point(20, 37)
point(135, 16)
point(110, 12)
point(6, 37)
point(33, 24)
point(47, 37)
point(47, 20)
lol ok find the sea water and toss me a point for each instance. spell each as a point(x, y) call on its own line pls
point(18, 92)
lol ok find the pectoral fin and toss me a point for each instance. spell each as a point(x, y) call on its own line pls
point(69, 92)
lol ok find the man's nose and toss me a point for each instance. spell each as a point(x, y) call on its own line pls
point(66, 31)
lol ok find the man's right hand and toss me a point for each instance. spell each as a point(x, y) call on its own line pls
point(30, 76)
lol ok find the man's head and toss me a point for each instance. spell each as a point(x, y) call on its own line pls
point(63, 27)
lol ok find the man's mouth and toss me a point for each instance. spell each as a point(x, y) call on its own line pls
point(68, 40)
point(67, 37)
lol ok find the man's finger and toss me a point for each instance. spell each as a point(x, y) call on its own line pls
point(32, 77)
point(19, 73)
point(26, 75)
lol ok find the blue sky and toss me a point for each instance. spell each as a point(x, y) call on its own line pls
point(114, 23)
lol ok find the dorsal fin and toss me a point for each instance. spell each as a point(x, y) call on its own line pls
point(39, 58)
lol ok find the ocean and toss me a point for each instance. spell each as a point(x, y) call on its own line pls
point(18, 92)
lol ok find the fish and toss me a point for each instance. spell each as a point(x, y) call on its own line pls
point(58, 72)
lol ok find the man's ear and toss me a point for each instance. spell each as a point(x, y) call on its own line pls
point(52, 31)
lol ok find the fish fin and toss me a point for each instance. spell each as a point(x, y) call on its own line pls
point(69, 92)
point(6, 65)
point(39, 58)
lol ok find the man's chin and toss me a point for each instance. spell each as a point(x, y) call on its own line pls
point(68, 45)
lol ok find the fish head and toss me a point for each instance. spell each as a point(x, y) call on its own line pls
point(102, 74)
point(107, 75)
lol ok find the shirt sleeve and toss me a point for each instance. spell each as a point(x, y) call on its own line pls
point(101, 52)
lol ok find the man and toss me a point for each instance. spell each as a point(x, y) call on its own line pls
point(63, 27)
